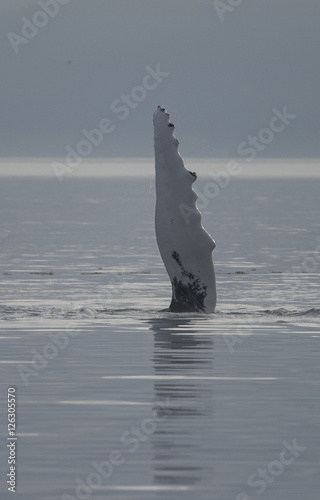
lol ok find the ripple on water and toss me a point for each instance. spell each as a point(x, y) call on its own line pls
point(18, 312)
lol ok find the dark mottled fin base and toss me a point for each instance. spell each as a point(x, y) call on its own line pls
point(188, 297)
point(177, 307)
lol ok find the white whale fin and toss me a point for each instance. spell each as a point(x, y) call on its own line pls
point(184, 245)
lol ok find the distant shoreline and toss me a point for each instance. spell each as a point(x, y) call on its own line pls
point(137, 167)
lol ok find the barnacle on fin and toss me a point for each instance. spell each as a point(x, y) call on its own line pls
point(193, 174)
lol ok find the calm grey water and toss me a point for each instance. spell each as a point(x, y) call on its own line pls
point(119, 399)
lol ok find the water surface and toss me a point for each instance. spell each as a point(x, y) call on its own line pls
point(186, 405)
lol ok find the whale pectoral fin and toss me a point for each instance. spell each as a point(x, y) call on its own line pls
point(184, 245)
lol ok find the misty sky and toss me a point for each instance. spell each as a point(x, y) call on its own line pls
point(221, 72)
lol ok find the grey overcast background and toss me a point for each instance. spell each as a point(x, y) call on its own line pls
point(227, 73)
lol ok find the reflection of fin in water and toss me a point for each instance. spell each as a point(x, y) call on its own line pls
point(185, 247)
point(183, 365)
